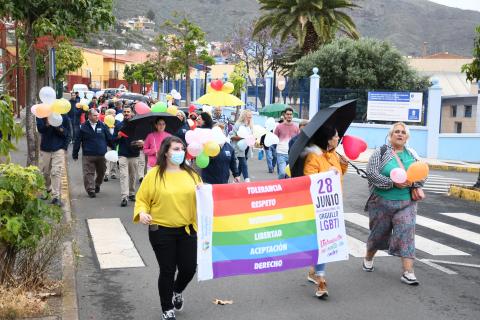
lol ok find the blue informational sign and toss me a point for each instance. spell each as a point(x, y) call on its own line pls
point(395, 106)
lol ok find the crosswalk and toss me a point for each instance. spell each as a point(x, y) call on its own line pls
point(435, 183)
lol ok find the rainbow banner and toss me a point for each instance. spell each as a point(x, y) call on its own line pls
point(270, 226)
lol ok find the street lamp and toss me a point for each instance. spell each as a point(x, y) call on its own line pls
point(281, 86)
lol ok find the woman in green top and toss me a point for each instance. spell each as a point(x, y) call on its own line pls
point(391, 209)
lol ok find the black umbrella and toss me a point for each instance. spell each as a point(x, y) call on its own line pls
point(141, 125)
point(339, 115)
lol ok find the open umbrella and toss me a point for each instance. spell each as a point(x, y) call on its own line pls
point(219, 99)
point(339, 115)
point(141, 125)
point(274, 110)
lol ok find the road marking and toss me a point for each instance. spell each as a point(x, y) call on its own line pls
point(357, 248)
point(449, 229)
point(455, 263)
point(436, 266)
point(421, 243)
point(113, 245)
point(462, 216)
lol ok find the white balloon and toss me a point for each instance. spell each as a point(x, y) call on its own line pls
point(47, 95)
point(177, 96)
point(84, 102)
point(270, 124)
point(119, 117)
point(55, 119)
point(173, 92)
point(242, 145)
point(243, 132)
point(112, 156)
point(218, 136)
point(270, 139)
point(207, 108)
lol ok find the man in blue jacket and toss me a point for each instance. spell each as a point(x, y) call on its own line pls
point(74, 115)
point(219, 167)
point(94, 137)
point(54, 143)
point(128, 157)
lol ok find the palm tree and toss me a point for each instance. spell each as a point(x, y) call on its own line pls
point(311, 22)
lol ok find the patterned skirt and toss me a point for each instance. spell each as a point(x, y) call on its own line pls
point(392, 226)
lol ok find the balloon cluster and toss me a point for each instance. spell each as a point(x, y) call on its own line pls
point(270, 138)
point(416, 172)
point(248, 139)
point(353, 146)
point(83, 104)
point(204, 143)
point(51, 107)
point(218, 85)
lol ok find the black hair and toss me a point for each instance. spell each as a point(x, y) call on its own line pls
point(324, 134)
point(287, 109)
point(207, 119)
point(162, 159)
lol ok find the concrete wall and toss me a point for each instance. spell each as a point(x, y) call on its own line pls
point(462, 147)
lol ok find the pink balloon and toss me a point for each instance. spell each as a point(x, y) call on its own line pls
point(204, 135)
point(250, 140)
point(398, 175)
point(189, 136)
point(141, 108)
point(194, 149)
point(353, 146)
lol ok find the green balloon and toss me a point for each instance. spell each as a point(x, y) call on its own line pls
point(202, 160)
point(160, 107)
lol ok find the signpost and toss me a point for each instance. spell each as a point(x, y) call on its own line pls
point(395, 106)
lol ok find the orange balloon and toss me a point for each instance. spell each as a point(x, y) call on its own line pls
point(417, 171)
point(42, 110)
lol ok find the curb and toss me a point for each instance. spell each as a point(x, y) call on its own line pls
point(463, 192)
point(453, 168)
point(69, 294)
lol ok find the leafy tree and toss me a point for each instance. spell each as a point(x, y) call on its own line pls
point(187, 48)
point(151, 14)
point(472, 70)
point(8, 128)
point(238, 78)
point(144, 74)
point(311, 22)
point(128, 75)
point(159, 61)
point(70, 18)
point(363, 64)
point(69, 58)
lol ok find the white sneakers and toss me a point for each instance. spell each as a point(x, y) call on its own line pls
point(368, 265)
point(409, 278)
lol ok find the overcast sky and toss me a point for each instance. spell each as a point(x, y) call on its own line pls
point(462, 4)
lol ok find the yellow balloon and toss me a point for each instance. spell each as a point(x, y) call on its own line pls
point(85, 108)
point(228, 87)
point(169, 97)
point(172, 110)
point(211, 148)
point(61, 106)
point(287, 171)
point(109, 121)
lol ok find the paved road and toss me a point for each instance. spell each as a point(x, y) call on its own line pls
point(131, 293)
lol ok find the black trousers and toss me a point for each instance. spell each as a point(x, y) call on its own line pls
point(175, 250)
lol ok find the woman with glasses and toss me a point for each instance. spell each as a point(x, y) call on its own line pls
point(321, 156)
point(166, 203)
point(390, 207)
point(153, 141)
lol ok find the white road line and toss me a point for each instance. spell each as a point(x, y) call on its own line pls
point(470, 265)
point(357, 248)
point(113, 245)
point(462, 216)
point(421, 243)
point(449, 229)
point(436, 266)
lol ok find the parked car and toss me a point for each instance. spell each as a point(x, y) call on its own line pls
point(112, 92)
point(80, 88)
point(134, 97)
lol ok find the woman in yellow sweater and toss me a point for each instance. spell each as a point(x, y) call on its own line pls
point(321, 157)
point(166, 202)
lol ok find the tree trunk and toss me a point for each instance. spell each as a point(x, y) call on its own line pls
point(311, 42)
point(31, 82)
point(187, 79)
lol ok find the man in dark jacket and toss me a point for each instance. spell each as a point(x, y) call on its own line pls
point(94, 137)
point(219, 167)
point(74, 115)
point(54, 143)
point(128, 156)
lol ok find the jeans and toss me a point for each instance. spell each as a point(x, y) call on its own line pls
point(271, 156)
point(174, 249)
point(282, 161)
point(243, 167)
point(320, 269)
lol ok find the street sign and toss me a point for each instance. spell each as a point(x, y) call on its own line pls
point(395, 106)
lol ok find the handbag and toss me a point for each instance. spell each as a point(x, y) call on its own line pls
point(416, 194)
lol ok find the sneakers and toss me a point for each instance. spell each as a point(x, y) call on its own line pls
point(177, 301)
point(91, 194)
point(124, 202)
point(312, 277)
point(105, 179)
point(247, 180)
point(97, 189)
point(321, 291)
point(409, 278)
point(368, 265)
point(131, 197)
point(168, 315)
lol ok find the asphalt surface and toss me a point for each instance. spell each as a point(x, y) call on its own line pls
point(131, 293)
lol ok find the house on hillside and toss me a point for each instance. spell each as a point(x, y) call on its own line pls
point(459, 96)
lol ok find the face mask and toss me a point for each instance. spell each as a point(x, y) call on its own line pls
point(177, 157)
